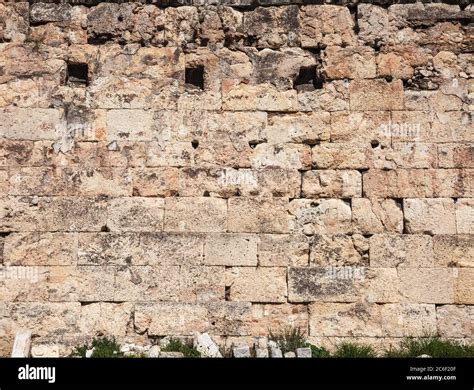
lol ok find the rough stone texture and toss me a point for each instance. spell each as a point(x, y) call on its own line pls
point(234, 167)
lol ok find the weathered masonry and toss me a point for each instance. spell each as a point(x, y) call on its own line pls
point(231, 166)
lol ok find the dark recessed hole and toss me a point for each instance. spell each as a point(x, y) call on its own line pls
point(206, 194)
point(120, 18)
point(105, 228)
point(374, 143)
point(204, 42)
point(389, 78)
point(77, 73)
point(227, 293)
point(308, 79)
point(195, 144)
point(194, 77)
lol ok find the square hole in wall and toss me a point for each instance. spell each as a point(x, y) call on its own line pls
point(308, 79)
point(77, 74)
point(194, 77)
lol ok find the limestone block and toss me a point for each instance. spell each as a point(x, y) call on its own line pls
point(206, 346)
point(341, 156)
point(106, 318)
point(435, 216)
point(45, 351)
point(464, 286)
point(349, 62)
point(427, 285)
point(298, 128)
point(253, 215)
point(135, 214)
point(345, 319)
point(453, 250)
point(373, 22)
point(280, 250)
point(464, 216)
point(256, 284)
point(320, 217)
point(456, 155)
point(14, 22)
point(277, 317)
point(377, 215)
point(195, 214)
point(332, 184)
point(454, 320)
point(40, 249)
point(360, 127)
point(338, 250)
point(408, 319)
point(334, 96)
point(373, 95)
point(325, 25)
point(286, 156)
point(181, 25)
point(404, 250)
point(231, 249)
point(162, 182)
point(22, 344)
point(131, 125)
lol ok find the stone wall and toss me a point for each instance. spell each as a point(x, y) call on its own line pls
point(229, 167)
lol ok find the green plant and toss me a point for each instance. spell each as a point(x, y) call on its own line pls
point(318, 352)
point(289, 339)
point(103, 347)
point(176, 345)
point(432, 346)
point(353, 350)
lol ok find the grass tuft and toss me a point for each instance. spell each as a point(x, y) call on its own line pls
point(289, 339)
point(353, 350)
point(432, 346)
point(176, 345)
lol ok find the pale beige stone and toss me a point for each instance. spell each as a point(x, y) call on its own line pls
point(377, 215)
point(404, 250)
point(453, 250)
point(332, 184)
point(31, 124)
point(455, 321)
point(373, 95)
point(253, 215)
point(286, 156)
point(341, 156)
point(338, 250)
point(256, 284)
point(280, 250)
point(277, 317)
point(408, 319)
point(353, 62)
point(307, 128)
point(427, 285)
point(195, 214)
point(161, 182)
point(231, 249)
point(112, 319)
point(135, 214)
point(464, 286)
point(464, 216)
point(435, 216)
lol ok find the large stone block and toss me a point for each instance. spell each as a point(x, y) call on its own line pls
point(281, 250)
point(373, 95)
point(331, 184)
point(253, 215)
point(435, 216)
point(256, 284)
point(341, 156)
point(286, 156)
point(231, 249)
point(453, 250)
point(464, 216)
point(408, 319)
point(427, 285)
point(14, 22)
point(464, 286)
point(298, 128)
point(112, 319)
point(339, 250)
point(455, 321)
point(404, 250)
point(277, 317)
point(195, 214)
point(31, 124)
point(356, 62)
point(377, 215)
point(161, 182)
point(135, 214)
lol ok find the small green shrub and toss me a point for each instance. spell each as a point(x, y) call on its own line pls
point(187, 350)
point(318, 352)
point(104, 347)
point(289, 339)
point(353, 350)
point(432, 346)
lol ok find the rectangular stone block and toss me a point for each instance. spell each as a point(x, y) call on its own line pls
point(455, 321)
point(195, 214)
point(305, 128)
point(332, 184)
point(112, 319)
point(342, 284)
point(404, 155)
point(464, 286)
point(171, 319)
point(360, 128)
point(327, 216)
point(434, 216)
point(31, 124)
point(456, 155)
point(256, 284)
point(353, 62)
point(131, 125)
point(40, 249)
point(341, 156)
point(404, 250)
point(427, 285)
point(231, 249)
point(135, 214)
point(408, 319)
point(339, 250)
point(374, 215)
point(277, 317)
point(281, 250)
point(284, 156)
point(345, 319)
point(253, 215)
point(453, 250)
point(162, 182)
point(376, 95)
point(464, 216)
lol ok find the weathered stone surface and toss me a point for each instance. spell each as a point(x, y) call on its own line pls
point(377, 215)
point(465, 216)
point(453, 250)
point(454, 320)
point(339, 250)
point(256, 284)
point(404, 250)
point(332, 184)
point(135, 214)
point(195, 214)
point(286, 156)
point(342, 284)
point(253, 215)
point(14, 22)
point(299, 128)
point(231, 249)
point(31, 124)
point(276, 317)
point(106, 318)
point(280, 250)
point(464, 288)
point(206, 346)
point(408, 319)
point(373, 95)
point(349, 63)
point(427, 285)
point(241, 351)
point(424, 216)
